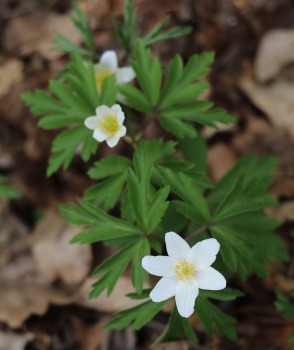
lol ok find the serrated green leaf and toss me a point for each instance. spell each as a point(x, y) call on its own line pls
point(211, 316)
point(184, 187)
point(224, 294)
point(112, 268)
point(139, 315)
point(178, 328)
point(177, 127)
point(109, 166)
point(134, 98)
point(139, 275)
point(197, 67)
point(157, 208)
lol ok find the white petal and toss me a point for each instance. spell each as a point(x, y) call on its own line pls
point(164, 289)
point(112, 141)
point(176, 247)
point(103, 111)
point(210, 279)
point(186, 293)
point(122, 131)
point(159, 265)
point(109, 59)
point(125, 75)
point(99, 135)
point(116, 108)
point(203, 253)
point(92, 123)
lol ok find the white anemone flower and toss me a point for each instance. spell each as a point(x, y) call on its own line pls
point(107, 124)
point(184, 271)
point(107, 66)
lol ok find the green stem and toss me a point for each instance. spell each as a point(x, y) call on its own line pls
point(199, 230)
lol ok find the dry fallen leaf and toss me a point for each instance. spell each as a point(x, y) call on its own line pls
point(11, 73)
point(14, 341)
point(26, 34)
point(275, 100)
point(275, 52)
point(23, 297)
point(221, 158)
point(282, 212)
point(55, 257)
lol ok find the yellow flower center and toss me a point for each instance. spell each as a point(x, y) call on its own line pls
point(101, 74)
point(184, 270)
point(109, 125)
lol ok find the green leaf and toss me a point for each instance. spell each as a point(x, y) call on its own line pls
point(284, 305)
point(109, 166)
point(185, 188)
point(126, 31)
point(178, 328)
point(64, 45)
point(134, 98)
point(105, 231)
point(156, 34)
point(195, 151)
point(108, 91)
point(83, 25)
point(106, 193)
point(69, 102)
point(157, 208)
point(112, 268)
point(198, 66)
point(177, 127)
point(148, 72)
point(237, 253)
point(139, 275)
point(224, 294)
point(6, 190)
point(139, 315)
point(211, 316)
point(64, 146)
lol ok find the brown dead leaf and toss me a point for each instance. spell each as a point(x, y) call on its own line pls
point(23, 297)
point(27, 34)
point(173, 345)
point(282, 212)
point(275, 52)
point(275, 100)
point(11, 72)
point(14, 341)
point(55, 257)
point(221, 158)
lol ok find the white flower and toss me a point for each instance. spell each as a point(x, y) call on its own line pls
point(107, 124)
point(108, 66)
point(184, 271)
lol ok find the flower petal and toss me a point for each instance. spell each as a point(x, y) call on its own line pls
point(92, 123)
point(186, 293)
point(103, 111)
point(109, 59)
point(125, 75)
point(159, 265)
point(164, 289)
point(176, 247)
point(122, 131)
point(116, 108)
point(99, 135)
point(210, 279)
point(203, 253)
point(112, 141)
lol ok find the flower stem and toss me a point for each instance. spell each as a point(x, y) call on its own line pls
point(199, 230)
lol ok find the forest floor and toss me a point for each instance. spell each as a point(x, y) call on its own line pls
point(44, 281)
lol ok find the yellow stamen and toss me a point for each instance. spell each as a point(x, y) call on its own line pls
point(109, 125)
point(184, 270)
point(101, 74)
